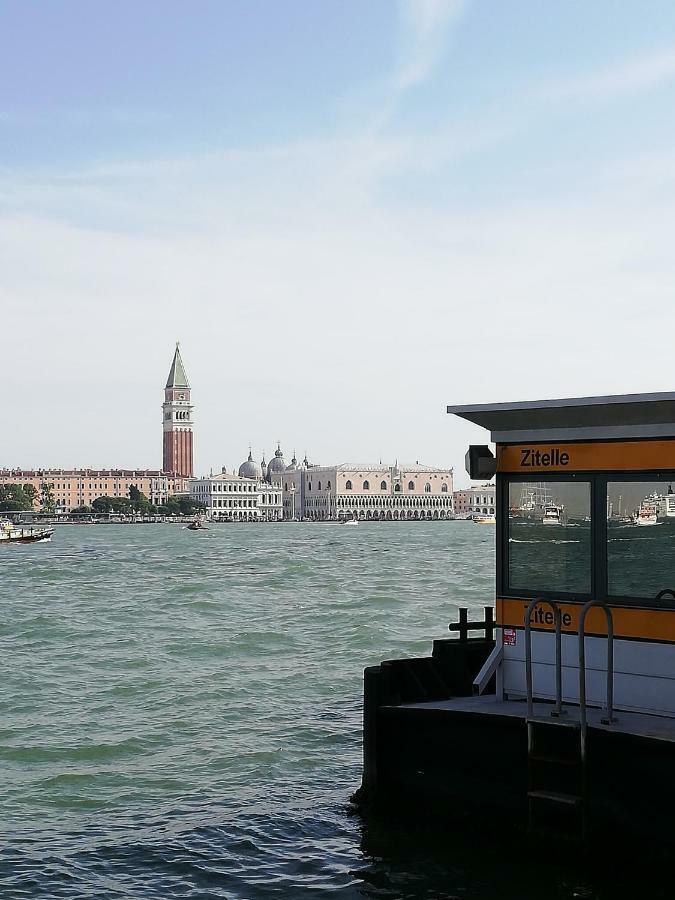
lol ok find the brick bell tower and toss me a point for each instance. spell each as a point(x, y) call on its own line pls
point(177, 424)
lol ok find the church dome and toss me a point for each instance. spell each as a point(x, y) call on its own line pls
point(293, 465)
point(277, 465)
point(250, 468)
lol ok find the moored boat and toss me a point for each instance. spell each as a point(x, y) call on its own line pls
point(647, 514)
point(22, 534)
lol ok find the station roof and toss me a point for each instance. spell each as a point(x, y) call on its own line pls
point(625, 416)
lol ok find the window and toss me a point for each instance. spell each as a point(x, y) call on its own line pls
point(348, 486)
point(383, 485)
point(427, 488)
point(411, 485)
point(640, 538)
point(397, 488)
point(319, 485)
point(549, 537)
point(444, 489)
point(366, 485)
point(328, 486)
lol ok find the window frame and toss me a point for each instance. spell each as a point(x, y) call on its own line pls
point(607, 478)
point(599, 482)
point(504, 480)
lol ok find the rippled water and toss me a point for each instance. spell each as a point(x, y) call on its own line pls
point(180, 713)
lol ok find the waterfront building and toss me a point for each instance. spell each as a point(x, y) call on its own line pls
point(236, 498)
point(72, 488)
point(177, 421)
point(367, 492)
point(478, 500)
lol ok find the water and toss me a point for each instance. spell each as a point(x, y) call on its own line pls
point(180, 713)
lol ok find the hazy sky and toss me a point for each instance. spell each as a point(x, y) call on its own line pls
point(351, 214)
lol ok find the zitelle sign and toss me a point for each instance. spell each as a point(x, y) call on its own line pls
point(610, 456)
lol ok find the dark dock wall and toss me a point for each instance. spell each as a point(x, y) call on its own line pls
point(398, 764)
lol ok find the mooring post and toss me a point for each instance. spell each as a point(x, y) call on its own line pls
point(372, 684)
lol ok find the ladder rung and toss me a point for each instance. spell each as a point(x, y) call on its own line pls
point(553, 721)
point(555, 797)
point(555, 760)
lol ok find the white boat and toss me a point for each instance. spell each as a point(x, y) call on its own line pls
point(22, 534)
point(647, 514)
point(552, 514)
point(669, 503)
point(351, 522)
point(484, 520)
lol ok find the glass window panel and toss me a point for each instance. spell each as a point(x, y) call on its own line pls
point(549, 531)
point(640, 538)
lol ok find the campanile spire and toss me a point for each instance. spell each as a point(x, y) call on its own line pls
point(177, 422)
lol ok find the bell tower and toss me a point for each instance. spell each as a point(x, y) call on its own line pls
point(177, 424)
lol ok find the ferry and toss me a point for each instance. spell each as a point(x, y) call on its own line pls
point(552, 515)
point(484, 520)
point(647, 514)
point(22, 534)
point(522, 717)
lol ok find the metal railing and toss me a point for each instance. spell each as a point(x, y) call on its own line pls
point(557, 619)
point(609, 718)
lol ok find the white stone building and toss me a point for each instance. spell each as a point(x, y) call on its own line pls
point(234, 498)
point(479, 500)
point(367, 492)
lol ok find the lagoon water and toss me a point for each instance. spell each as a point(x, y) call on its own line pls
point(180, 712)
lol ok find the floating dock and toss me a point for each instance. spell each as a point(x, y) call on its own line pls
point(557, 710)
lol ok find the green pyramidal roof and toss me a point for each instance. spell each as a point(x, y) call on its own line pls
point(177, 377)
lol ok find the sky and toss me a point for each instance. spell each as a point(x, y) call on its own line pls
point(350, 214)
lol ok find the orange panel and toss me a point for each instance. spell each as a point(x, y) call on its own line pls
point(629, 622)
point(611, 456)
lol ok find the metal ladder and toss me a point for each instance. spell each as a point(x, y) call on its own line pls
point(557, 744)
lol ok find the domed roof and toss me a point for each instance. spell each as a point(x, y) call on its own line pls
point(250, 468)
point(277, 464)
point(293, 465)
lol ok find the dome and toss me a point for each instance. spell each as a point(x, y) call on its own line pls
point(277, 464)
point(293, 465)
point(250, 468)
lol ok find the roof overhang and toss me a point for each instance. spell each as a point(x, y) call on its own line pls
point(621, 417)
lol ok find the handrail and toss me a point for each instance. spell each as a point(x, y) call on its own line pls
point(582, 665)
point(557, 619)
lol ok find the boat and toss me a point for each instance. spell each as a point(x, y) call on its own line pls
point(552, 514)
point(22, 534)
point(197, 525)
point(647, 514)
point(351, 522)
point(484, 520)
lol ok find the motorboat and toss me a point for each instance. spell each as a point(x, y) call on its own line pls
point(197, 525)
point(22, 534)
point(552, 514)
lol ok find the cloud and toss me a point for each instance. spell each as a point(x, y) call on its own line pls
point(423, 34)
point(425, 24)
point(642, 73)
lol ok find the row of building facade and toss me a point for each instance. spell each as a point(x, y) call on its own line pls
point(276, 491)
point(265, 491)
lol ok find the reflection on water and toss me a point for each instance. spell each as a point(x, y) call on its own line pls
point(640, 538)
point(550, 537)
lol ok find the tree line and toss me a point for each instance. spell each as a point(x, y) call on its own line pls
point(20, 497)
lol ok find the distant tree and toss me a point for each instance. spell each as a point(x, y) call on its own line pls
point(81, 509)
point(140, 502)
point(31, 493)
point(181, 506)
point(47, 497)
point(13, 497)
point(135, 495)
